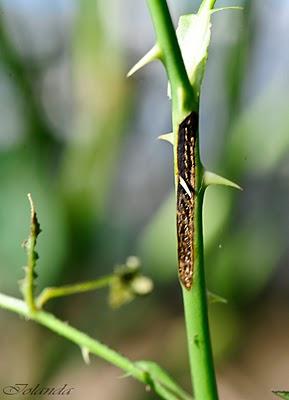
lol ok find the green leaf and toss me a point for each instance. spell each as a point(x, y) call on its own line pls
point(283, 394)
point(194, 34)
point(162, 382)
point(28, 285)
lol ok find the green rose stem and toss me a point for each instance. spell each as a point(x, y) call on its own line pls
point(147, 372)
point(72, 334)
point(153, 377)
point(184, 101)
point(90, 345)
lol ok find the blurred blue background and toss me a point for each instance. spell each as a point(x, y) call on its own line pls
point(81, 138)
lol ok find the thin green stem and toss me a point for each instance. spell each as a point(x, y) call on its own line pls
point(29, 279)
point(67, 290)
point(207, 4)
point(155, 382)
point(72, 334)
point(182, 92)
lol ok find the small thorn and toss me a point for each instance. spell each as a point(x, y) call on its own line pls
point(127, 375)
point(226, 8)
point(215, 298)
point(185, 187)
point(85, 355)
point(152, 55)
point(31, 203)
point(213, 179)
point(168, 137)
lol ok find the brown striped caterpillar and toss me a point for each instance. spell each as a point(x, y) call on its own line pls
point(186, 164)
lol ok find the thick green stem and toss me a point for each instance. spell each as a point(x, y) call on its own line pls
point(196, 307)
point(207, 4)
point(196, 315)
point(183, 97)
point(195, 299)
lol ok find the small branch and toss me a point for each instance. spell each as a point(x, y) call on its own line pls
point(67, 290)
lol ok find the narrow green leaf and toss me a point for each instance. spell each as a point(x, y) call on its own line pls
point(283, 394)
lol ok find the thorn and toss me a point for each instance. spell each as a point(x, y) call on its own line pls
point(213, 179)
point(126, 375)
point(31, 203)
point(226, 8)
point(168, 137)
point(153, 54)
point(185, 187)
point(85, 355)
point(215, 298)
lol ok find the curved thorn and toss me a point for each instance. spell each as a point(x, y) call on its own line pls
point(167, 137)
point(152, 55)
point(215, 298)
point(85, 355)
point(227, 8)
point(213, 179)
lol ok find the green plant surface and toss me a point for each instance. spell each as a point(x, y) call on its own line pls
point(28, 283)
point(124, 285)
point(155, 377)
point(183, 54)
point(282, 394)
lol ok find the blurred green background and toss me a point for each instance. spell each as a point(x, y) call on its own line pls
point(81, 138)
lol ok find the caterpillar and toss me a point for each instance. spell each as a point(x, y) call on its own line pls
point(186, 165)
